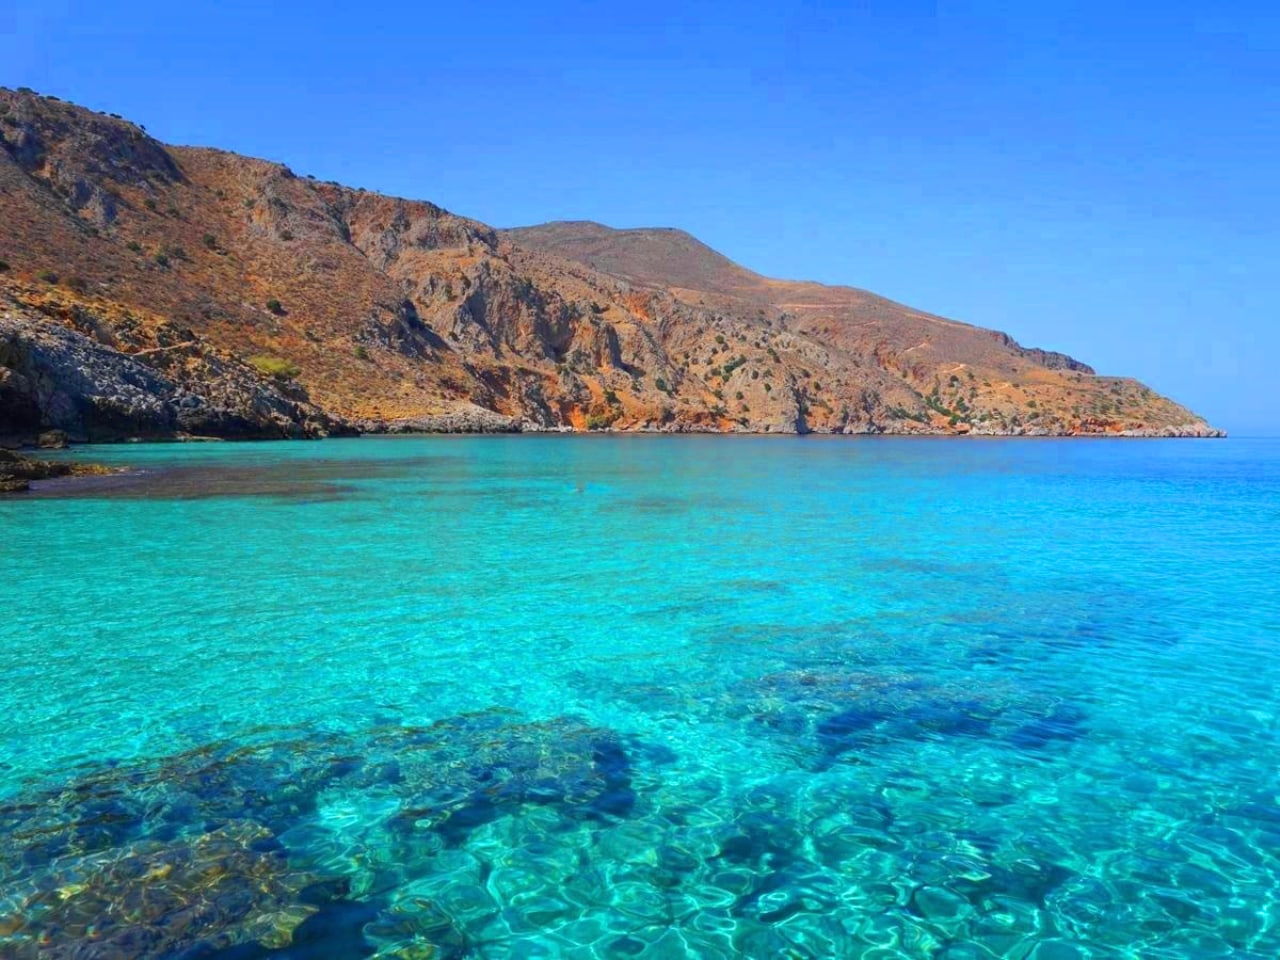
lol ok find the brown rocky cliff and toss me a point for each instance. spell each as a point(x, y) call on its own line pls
point(283, 306)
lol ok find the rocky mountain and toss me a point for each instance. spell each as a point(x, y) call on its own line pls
point(156, 291)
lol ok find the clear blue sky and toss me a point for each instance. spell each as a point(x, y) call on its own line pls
point(1096, 177)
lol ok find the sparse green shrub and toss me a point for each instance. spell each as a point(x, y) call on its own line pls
point(768, 387)
point(161, 258)
point(275, 307)
point(48, 276)
point(286, 234)
point(210, 241)
point(249, 202)
point(173, 212)
point(901, 413)
point(738, 395)
point(76, 284)
point(220, 194)
point(150, 204)
point(134, 245)
point(660, 383)
point(4, 265)
point(361, 353)
point(611, 398)
point(276, 367)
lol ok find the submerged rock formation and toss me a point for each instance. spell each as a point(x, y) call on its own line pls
point(204, 853)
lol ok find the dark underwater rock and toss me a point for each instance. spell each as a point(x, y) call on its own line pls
point(334, 932)
point(192, 792)
point(467, 771)
point(843, 713)
point(154, 899)
point(1063, 723)
point(189, 857)
point(846, 711)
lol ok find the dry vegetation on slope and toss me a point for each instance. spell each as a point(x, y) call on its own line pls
point(255, 302)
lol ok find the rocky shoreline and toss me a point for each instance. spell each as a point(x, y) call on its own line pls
point(477, 420)
point(55, 379)
point(18, 472)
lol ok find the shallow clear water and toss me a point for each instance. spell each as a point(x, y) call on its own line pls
point(655, 696)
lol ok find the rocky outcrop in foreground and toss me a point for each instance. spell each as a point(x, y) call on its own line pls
point(52, 377)
point(17, 472)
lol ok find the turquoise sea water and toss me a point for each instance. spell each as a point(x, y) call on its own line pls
point(645, 696)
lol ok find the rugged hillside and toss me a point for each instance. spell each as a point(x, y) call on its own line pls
point(148, 290)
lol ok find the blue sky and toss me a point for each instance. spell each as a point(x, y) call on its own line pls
point(1098, 178)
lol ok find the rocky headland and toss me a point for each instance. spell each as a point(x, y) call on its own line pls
point(160, 292)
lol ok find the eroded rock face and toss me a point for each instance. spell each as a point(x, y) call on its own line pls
point(54, 378)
